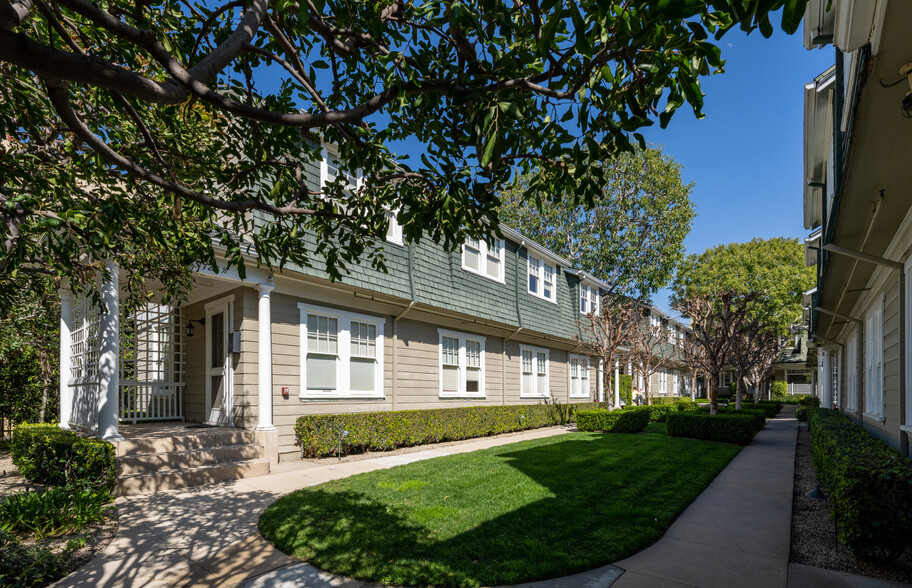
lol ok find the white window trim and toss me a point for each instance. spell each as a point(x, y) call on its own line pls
point(463, 337)
point(851, 371)
point(535, 351)
point(396, 237)
point(874, 390)
point(483, 258)
point(542, 264)
point(584, 360)
point(594, 300)
point(907, 276)
point(663, 382)
point(343, 369)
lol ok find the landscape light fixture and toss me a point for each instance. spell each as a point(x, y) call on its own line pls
point(342, 435)
point(202, 323)
point(816, 492)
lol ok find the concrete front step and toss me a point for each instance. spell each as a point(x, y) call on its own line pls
point(148, 483)
point(186, 441)
point(147, 463)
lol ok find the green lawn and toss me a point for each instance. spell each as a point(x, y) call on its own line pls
point(516, 513)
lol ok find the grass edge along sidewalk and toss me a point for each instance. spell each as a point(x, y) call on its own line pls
point(527, 511)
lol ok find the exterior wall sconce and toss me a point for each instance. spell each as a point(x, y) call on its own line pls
point(202, 322)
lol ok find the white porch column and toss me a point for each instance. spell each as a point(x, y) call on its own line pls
point(617, 383)
point(826, 378)
point(264, 358)
point(601, 381)
point(66, 357)
point(109, 355)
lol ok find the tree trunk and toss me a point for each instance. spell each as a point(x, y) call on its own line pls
point(693, 386)
point(742, 385)
point(646, 378)
point(713, 394)
point(45, 368)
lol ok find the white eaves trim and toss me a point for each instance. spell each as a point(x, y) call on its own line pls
point(811, 246)
point(540, 251)
point(818, 24)
point(854, 23)
point(818, 135)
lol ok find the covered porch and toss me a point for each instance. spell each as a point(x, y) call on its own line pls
point(122, 368)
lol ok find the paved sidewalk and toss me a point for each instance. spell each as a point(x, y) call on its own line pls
point(207, 536)
point(737, 532)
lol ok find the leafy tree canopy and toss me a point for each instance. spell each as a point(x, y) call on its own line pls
point(771, 272)
point(149, 132)
point(631, 236)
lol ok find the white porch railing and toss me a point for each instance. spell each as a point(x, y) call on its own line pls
point(151, 365)
point(801, 388)
point(151, 401)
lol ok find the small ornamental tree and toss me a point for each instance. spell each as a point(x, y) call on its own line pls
point(604, 331)
point(714, 319)
point(650, 350)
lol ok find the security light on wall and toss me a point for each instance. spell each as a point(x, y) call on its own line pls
point(202, 323)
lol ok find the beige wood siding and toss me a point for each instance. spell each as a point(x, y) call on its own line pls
point(888, 430)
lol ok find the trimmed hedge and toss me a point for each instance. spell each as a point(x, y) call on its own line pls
point(770, 408)
point(779, 390)
point(318, 434)
point(49, 455)
point(626, 391)
point(617, 421)
point(869, 484)
point(656, 412)
point(809, 401)
point(662, 400)
point(728, 427)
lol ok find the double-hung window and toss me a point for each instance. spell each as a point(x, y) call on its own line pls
point(461, 364)
point(873, 341)
point(589, 298)
point(533, 371)
point(484, 259)
point(663, 381)
point(579, 376)
point(393, 229)
point(341, 354)
point(541, 279)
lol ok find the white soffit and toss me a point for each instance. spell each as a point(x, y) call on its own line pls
point(854, 25)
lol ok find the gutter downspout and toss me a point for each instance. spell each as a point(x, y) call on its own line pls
point(411, 270)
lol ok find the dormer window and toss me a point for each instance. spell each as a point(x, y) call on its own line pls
point(589, 298)
point(541, 279)
point(483, 259)
point(393, 229)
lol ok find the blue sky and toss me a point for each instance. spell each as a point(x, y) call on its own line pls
point(745, 156)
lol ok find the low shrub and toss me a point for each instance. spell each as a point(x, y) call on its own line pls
point(802, 414)
point(869, 484)
point(49, 455)
point(778, 390)
point(728, 427)
point(62, 509)
point(682, 405)
point(657, 412)
point(809, 401)
point(29, 564)
point(791, 398)
point(662, 400)
point(617, 421)
point(318, 434)
point(771, 409)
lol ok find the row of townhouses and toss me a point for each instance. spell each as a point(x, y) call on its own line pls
point(857, 197)
point(492, 323)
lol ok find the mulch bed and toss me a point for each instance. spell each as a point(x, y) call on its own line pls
point(96, 536)
point(814, 534)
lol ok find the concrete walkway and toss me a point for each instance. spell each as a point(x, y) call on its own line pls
point(736, 533)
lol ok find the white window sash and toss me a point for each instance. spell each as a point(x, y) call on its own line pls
point(343, 354)
point(487, 255)
point(463, 367)
point(537, 373)
point(579, 382)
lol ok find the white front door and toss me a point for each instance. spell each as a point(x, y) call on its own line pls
point(218, 364)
